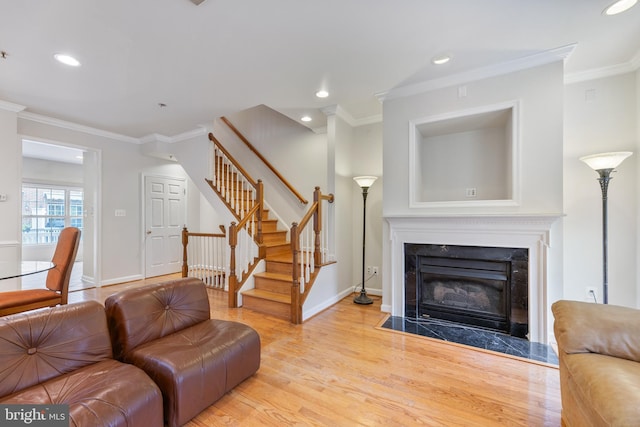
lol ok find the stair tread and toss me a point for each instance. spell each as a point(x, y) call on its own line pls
point(274, 232)
point(278, 243)
point(271, 296)
point(281, 257)
point(275, 276)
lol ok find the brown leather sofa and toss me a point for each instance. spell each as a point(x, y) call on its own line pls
point(599, 353)
point(63, 355)
point(166, 330)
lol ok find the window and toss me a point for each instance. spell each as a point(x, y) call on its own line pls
point(47, 209)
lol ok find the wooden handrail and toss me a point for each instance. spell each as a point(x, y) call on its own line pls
point(315, 212)
point(232, 159)
point(208, 261)
point(234, 283)
point(264, 160)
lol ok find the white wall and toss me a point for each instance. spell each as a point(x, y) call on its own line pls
point(367, 160)
point(121, 247)
point(10, 152)
point(297, 153)
point(637, 163)
point(538, 92)
point(601, 115)
point(38, 170)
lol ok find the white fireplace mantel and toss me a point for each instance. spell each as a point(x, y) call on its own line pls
point(536, 232)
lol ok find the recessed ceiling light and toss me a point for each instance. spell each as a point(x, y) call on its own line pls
point(322, 94)
point(441, 59)
point(67, 59)
point(305, 119)
point(619, 7)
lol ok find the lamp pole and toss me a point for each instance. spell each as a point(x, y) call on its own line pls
point(605, 177)
point(364, 182)
point(605, 164)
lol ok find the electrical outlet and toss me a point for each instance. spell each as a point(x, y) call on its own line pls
point(470, 192)
point(374, 270)
point(369, 270)
point(591, 295)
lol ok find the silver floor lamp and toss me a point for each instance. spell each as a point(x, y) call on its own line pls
point(364, 182)
point(605, 164)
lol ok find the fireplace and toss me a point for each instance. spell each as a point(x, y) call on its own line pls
point(479, 286)
point(540, 235)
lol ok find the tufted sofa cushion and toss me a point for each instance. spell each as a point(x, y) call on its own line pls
point(63, 355)
point(165, 330)
point(137, 316)
point(40, 345)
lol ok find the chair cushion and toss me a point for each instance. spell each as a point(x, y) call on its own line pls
point(198, 365)
point(108, 393)
point(17, 298)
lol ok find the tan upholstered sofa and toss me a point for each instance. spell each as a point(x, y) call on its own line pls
point(599, 353)
point(166, 330)
point(63, 355)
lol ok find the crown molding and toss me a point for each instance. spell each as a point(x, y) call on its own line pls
point(336, 110)
point(597, 73)
point(154, 137)
point(63, 124)
point(199, 131)
point(319, 130)
point(9, 106)
point(376, 118)
point(529, 61)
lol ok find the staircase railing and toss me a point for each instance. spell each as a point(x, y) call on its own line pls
point(245, 199)
point(204, 256)
point(264, 160)
point(309, 244)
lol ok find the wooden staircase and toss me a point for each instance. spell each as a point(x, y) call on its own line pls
point(291, 266)
point(272, 292)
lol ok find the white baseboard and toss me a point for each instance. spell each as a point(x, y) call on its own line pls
point(119, 280)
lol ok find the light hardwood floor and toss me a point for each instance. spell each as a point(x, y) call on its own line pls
point(340, 369)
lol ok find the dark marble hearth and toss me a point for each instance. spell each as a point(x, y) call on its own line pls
point(472, 336)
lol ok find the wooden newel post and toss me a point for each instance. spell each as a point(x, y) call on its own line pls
point(296, 315)
point(317, 226)
point(185, 242)
point(233, 279)
point(260, 201)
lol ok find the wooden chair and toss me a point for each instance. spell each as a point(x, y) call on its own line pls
point(57, 283)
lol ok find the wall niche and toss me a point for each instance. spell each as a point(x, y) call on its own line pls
point(465, 158)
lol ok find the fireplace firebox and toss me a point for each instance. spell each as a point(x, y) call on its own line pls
point(479, 286)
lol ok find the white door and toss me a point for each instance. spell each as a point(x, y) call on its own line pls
point(164, 219)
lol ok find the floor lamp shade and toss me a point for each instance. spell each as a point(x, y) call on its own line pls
point(604, 164)
point(364, 182)
point(605, 160)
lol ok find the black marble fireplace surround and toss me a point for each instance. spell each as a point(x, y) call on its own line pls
point(486, 287)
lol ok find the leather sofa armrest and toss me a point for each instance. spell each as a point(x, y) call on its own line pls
point(610, 330)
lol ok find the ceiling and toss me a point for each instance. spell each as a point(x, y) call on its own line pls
point(224, 56)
